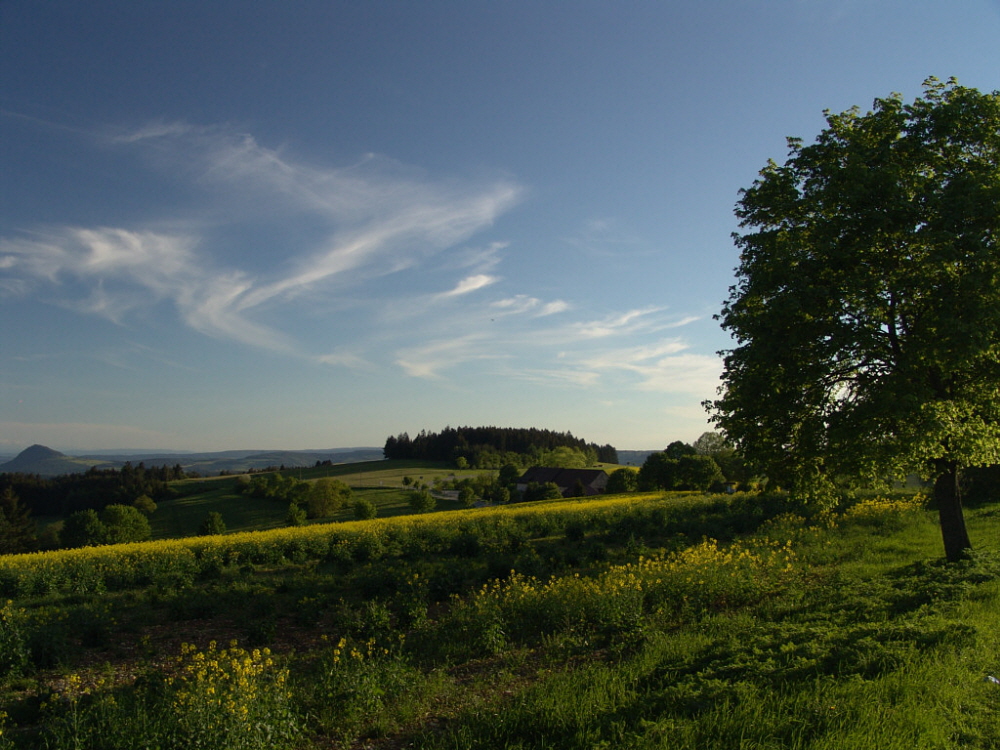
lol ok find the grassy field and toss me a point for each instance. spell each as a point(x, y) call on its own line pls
point(643, 621)
point(381, 482)
point(378, 481)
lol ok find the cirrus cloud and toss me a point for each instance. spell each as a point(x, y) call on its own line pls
point(377, 216)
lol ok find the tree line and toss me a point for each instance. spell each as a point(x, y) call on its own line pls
point(93, 489)
point(102, 506)
point(491, 447)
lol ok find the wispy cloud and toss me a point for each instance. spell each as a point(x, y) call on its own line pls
point(121, 270)
point(152, 130)
point(380, 217)
point(430, 360)
point(471, 284)
point(350, 360)
point(554, 307)
point(522, 303)
point(626, 322)
point(666, 366)
point(367, 220)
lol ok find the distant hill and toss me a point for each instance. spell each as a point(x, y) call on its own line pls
point(39, 459)
point(633, 458)
point(46, 462)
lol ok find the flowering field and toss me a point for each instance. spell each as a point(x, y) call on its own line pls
point(122, 566)
point(674, 620)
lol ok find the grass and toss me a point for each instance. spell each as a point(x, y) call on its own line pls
point(622, 628)
point(183, 515)
point(378, 481)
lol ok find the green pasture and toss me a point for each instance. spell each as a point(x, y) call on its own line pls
point(182, 516)
point(381, 482)
point(622, 627)
point(388, 473)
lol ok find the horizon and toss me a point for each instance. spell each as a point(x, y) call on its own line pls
point(329, 223)
point(77, 452)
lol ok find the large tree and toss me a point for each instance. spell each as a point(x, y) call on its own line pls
point(866, 309)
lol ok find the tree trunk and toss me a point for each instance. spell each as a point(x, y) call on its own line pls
point(949, 502)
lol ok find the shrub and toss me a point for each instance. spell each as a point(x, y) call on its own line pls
point(295, 516)
point(326, 496)
point(535, 491)
point(623, 480)
point(82, 529)
point(422, 501)
point(213, 524)
point(123, 523)
point(145, 504)
point(364, 509)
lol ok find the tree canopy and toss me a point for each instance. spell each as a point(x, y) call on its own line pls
point(866, 309)
point(492, 447)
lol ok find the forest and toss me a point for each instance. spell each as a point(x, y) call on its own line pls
point(491, 447)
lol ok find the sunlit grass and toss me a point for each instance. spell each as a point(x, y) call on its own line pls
point(634, 621)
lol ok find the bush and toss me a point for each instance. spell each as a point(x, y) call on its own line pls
point(145, 504)
point(326, 496)
point(123, 523)
point(623, 480)
point(82, 529)
point(296, 516)
point(213, 524)
point(364, 509)
point(467, 496)
point(422, 501)
point(535, 491)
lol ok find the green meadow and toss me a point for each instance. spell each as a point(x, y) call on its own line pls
point(662, 620)
point(380, 481)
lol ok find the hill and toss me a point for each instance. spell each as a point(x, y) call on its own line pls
point(39, 459)
point(46, 462)
point(633, 458)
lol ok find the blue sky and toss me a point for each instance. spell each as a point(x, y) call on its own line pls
point(316, 224)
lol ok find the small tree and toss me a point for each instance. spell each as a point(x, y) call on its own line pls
point(711, 444)
point(82, 529)
point(697, 472)
point(509, 474)
point(364, 509)
point(422, 501)
point(326, 496)
point(123, 523)
point(541, 491)
point(466, 495)
point(144, 504)
point(658, 472)
point(679, 448)
point(295, 516)
point(866, 309)
point(567, 457)
point(212, 525)
point(623, 480)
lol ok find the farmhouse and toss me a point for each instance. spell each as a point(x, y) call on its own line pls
point(594, 481)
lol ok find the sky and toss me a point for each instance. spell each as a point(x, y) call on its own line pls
point(305, 225)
